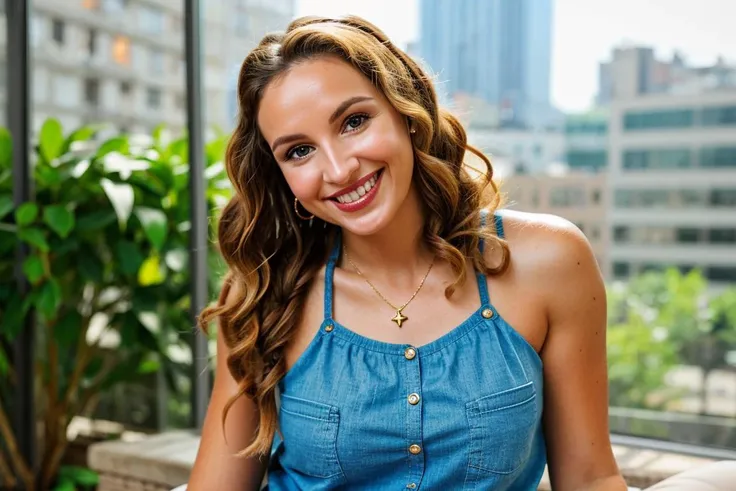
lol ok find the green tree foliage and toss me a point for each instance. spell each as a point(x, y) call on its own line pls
point(108, 264)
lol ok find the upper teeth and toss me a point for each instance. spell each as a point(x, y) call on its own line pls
point(356, 194)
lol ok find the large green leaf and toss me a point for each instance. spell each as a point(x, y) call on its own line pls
point(81, 134)
point(6, 149)
point(33, 268)
point(6, 206)
point(95, 220)
point(67, 330)
point(49, 298)
point(117, 144)
point(90, 266)
point(150, 272)
point(121, 196)
point(154, 225)
point(51, 139)
point(176, 259)
point(34, 237)
point(4, 363)
point(11, 322)
point(129, 257)
point(26, 213)
point(79, 475)
point(59, 219)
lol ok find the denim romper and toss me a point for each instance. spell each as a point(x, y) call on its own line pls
point(461, 412)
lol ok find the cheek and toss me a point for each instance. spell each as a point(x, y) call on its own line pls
point(389, 146)
point(305, 182)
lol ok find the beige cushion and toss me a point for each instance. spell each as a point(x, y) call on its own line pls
point(720, 476)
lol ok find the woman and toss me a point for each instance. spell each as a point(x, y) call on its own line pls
point(406, 338)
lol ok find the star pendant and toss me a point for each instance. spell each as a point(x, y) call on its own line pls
point(399, 318)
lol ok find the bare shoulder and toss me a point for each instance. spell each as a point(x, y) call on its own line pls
point(547, 243)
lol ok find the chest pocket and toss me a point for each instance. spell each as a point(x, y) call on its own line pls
point(502, 428)
point(310, 437)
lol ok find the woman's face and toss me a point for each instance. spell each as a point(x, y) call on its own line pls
point(344, 150)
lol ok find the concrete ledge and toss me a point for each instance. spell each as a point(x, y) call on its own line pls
point(162, 462)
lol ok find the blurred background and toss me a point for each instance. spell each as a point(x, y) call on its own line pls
point(619, 116)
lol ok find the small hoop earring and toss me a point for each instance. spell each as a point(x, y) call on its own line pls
point(296, 210)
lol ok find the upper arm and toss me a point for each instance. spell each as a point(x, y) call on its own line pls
point(216, 466)
point(575, 366)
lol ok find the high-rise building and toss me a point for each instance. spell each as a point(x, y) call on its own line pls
point(121, 62)
point(672, 167)
point(499, 50)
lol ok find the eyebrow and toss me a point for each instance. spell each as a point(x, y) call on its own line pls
point(339, 111)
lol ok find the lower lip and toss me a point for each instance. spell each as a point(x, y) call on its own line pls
point(364, 201)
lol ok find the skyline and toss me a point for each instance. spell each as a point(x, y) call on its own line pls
point(584, 34)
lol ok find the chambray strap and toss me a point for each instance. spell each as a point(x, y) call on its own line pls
point(480, 277)
point(329, 273)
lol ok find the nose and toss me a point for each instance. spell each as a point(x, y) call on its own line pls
point(340, 169)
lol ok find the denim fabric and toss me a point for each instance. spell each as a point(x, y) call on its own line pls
point(347, 422)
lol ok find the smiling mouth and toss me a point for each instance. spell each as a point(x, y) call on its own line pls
point(357, 192)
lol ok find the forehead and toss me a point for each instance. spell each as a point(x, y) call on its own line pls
point(309, 90)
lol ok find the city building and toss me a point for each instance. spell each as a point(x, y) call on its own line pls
point(580, 197)
point(672, 167)
point(634, 71)
point(121, 62)
point(498, 50)
point(586, 141)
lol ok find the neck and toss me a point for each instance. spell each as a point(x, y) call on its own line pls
point(398, 250)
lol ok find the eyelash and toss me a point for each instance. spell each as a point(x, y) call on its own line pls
point(364, 117)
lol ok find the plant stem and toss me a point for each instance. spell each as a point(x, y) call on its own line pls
point(25, 473)
point(7, 479)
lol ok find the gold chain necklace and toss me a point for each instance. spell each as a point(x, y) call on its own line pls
point(399, 318)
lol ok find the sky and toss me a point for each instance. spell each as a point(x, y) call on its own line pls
point(584, 33)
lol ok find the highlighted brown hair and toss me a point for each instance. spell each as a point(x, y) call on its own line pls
point(273, 256)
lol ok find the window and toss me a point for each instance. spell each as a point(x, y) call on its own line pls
point(719, 116)
point(58, 31)
point(669, 158)
point(596, 197)
point(125, 88)
point(121, 50)
point(712, 157)
point(621, 234)
point(687, 235)
point(153, 98)
point(92, 91)
point(662, 119)
point(722, 236)
point(723, 197)
point(114, 6)
point(589, 159)
point(621, 270)
point(152, 20)
point(156, 61)
point(586, 127)
point(92, 42)
point(721, 273)
point(567, 196)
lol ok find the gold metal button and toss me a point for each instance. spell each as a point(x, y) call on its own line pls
point(410, 353)
point(411, 485)
point(413, 399)
point(329, 327)
point(415, 449)
point(487, 313)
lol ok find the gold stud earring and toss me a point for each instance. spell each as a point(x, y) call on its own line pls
point(296, 210)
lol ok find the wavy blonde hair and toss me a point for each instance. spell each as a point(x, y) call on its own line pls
point(273, 256)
